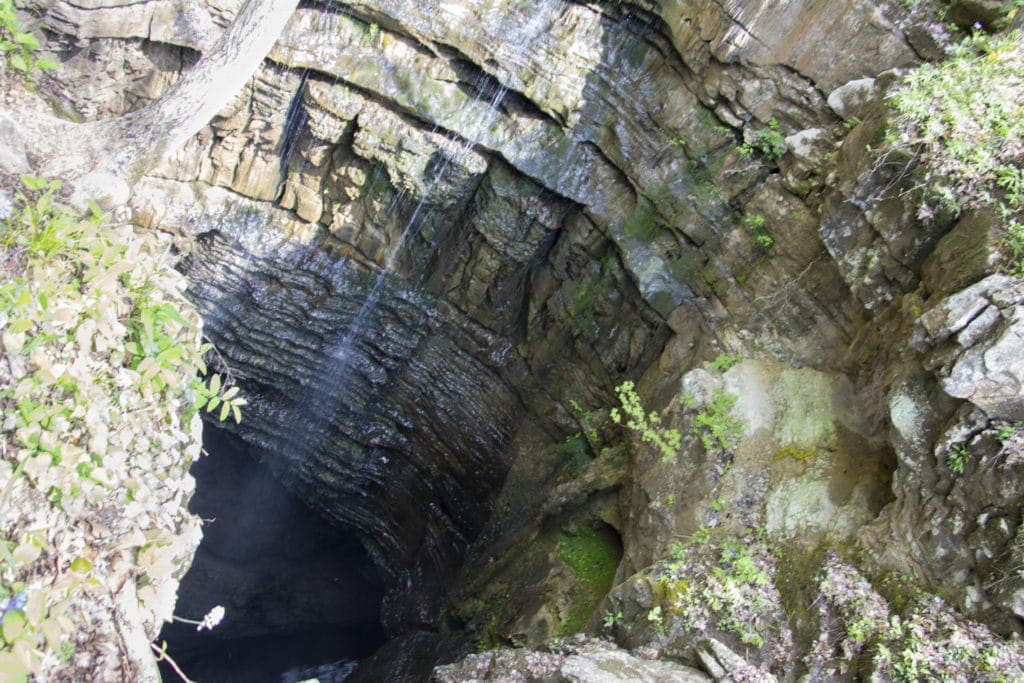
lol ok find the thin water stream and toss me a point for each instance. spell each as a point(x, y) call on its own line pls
point(264, 557)
point(468, 128)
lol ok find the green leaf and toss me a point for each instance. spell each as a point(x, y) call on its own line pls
point(171, 311)
point(81, 565)
point(215, 384)
point(33, 182)
point(28, 40)
point(214, 402)
point(13, 624)
point(171, 353)
point(18, 63)
point(236, 411)
point(12, 669)
point(47, 65)
point(94, 208)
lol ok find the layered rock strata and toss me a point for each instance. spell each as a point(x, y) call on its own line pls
point(421, 230)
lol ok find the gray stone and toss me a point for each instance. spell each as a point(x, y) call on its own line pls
point(991, 375)
point(13, 158)
point(614, 666)
point(851, 100)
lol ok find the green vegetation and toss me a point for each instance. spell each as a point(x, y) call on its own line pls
point(723, 362)
point(726, 585)
point(769, 141)
point(1006, 432)
point(645, 223)
point(576, 452)
point(612, 618)
point(583, 296)
point(586, 419)
point(957, 457)
point(963, 121)
point(101, 359)
point(926, 641)
point(717, 427)
point(647, 425)
point(793, 451)
point(19, 47)
point(594, 559)
point(756, 224)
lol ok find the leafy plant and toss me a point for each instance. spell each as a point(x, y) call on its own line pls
point(725, 584)
point(756, 225)
point(19, 47)
point(702, 536)
point(215, 394)
point(1006, 432)
point(723, 362)
point(957, 457)
point(717, 427)
point(586, 419)
point(962, 120)
point(647, 425)
point(612, 618)
point(770, 142)
point(102, 353)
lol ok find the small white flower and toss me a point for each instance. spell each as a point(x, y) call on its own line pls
point(212, 618)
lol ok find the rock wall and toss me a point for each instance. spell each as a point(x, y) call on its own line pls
point(424, 229)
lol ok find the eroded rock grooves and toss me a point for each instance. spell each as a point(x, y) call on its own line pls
point(412, 300)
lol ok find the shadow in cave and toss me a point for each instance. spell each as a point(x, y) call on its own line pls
point(302, 598)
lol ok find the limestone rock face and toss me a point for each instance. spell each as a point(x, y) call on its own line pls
point(423, 230)
point(581, 662)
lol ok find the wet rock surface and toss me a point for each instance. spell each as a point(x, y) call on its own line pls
point(422, 232)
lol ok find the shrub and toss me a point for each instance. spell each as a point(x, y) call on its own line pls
point(768, 141)
point(100, 356)
point(19, 47)
point(647, 425)
point(962, 120)
point(715, 424)
point(723, 362)
point(756, 225)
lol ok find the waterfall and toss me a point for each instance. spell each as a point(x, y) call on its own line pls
point(490, 91)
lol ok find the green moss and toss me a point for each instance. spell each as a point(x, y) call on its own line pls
point(644, 224)
point(723, 362)
point(583, 296)
point(576, 451)
point(791, 451)
point(593, 556)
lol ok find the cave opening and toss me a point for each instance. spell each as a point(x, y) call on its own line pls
point(302, 598)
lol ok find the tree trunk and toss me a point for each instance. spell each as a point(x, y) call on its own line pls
point(122, 150)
